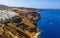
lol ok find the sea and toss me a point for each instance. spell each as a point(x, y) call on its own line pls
point(49, 23)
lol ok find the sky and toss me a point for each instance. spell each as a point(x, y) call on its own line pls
point(32, 3)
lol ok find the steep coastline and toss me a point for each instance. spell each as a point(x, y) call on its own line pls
point(32, 16)
point(22, 25)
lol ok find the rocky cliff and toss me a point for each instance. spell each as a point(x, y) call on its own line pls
point(21, 23)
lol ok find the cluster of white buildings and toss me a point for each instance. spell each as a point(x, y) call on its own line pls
point(6, 14)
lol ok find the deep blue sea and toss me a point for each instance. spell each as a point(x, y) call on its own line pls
point(49, 23)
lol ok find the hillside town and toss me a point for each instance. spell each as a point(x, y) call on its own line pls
point(18, 23)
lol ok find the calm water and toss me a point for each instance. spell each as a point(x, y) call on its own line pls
point(49, 23)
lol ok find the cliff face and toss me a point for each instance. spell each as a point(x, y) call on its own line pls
point(29, 18)
point(22, 25)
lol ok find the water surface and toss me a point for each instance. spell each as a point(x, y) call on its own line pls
point(49, 23)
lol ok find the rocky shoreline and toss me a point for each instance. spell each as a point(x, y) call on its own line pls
point(22, 25)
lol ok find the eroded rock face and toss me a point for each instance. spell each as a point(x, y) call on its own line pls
point(1, 31)
point(19, 25)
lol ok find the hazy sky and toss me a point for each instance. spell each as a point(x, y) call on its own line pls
point(32, 3)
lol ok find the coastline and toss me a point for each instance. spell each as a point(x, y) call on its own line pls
point(28, 20)
point(39, 35)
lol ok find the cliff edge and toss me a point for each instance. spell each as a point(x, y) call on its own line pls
point(19, 23)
